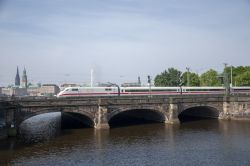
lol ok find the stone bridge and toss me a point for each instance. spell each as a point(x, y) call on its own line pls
point(98, 112)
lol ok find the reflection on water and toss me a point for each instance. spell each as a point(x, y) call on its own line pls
point(208, 142)
point(41, 127)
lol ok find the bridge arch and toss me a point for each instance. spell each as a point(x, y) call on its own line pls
point(79, 115)
point(139, 115)
point(29, 113)
point(75, 120)
point(198, 112)
point(26, 114)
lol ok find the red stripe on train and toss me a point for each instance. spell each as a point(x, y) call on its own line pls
point(138, 93)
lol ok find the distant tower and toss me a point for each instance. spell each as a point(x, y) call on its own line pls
point(24, 79)
point(91, 77)
point(17, 79)
point(139, 81)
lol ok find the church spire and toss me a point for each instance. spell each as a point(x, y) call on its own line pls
point(24, 79)
point(17, 79)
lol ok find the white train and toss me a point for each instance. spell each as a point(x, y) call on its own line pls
point(127, 91)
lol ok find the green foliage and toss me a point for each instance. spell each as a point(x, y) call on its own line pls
point(173, 77)
point(239, 75)
point(170, 77)
point(243, 79)
point(193, 77)
point(210, 78)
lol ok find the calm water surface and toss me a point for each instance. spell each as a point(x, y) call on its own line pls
point(207, 142)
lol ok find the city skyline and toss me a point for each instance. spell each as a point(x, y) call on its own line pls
point(62, 41)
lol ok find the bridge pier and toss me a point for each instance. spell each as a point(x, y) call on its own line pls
point(101, 118)
point(10, 122)
point(173, 114)
point(225, 115)
point(3, 126)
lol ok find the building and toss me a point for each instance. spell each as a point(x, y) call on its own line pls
point(24, 82)
point(101, 84)
point(131, 84)
point(24, 79)
point(14, 91)
point(1, 94)
point(17, 78)
point(23, 89)
point(66, 85)
point(33, 91)
point(69, 85)
point(49, 90)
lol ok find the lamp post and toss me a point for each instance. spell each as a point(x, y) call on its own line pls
point(180, 89)
point(118, 87)
point(91, 77)
point(180, 85)
point(149, 82)
point(231, 84)
point(225, 80)
point(188, 77)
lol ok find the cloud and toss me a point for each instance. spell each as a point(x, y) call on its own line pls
point(121, 37)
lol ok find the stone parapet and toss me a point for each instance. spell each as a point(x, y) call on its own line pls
point(101, 110)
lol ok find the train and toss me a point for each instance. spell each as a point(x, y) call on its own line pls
point(137, 91)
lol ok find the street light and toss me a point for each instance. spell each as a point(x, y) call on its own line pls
point(180, 85)
point(188, 78)
point(149, 82)
point(225, 80)
point(231, 84)
point(118, 87)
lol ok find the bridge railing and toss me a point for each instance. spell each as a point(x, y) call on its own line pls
point(122, 100)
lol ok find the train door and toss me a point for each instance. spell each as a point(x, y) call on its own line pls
point(184, 90)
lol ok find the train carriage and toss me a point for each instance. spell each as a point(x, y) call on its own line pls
point(240, 90)
point(138, 91)
point(149, 91)
point(88, 91)
point(203, 90)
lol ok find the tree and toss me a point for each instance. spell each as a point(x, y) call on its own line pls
point(210, 78)
point(237, 71)
point(193, 77)
point(170, 77)
point(243, 79)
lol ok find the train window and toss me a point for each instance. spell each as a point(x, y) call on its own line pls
point(164, 90)
point(192, 90)
point(153, 90)
point(137, 90)
point(108, 89)
point(89, 90)
point(74, 89)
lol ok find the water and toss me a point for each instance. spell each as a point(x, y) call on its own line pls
point(206, 142)
point(40, 128)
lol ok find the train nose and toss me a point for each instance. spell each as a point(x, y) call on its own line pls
point(59, 94)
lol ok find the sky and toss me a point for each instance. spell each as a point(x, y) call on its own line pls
point(60, 41)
